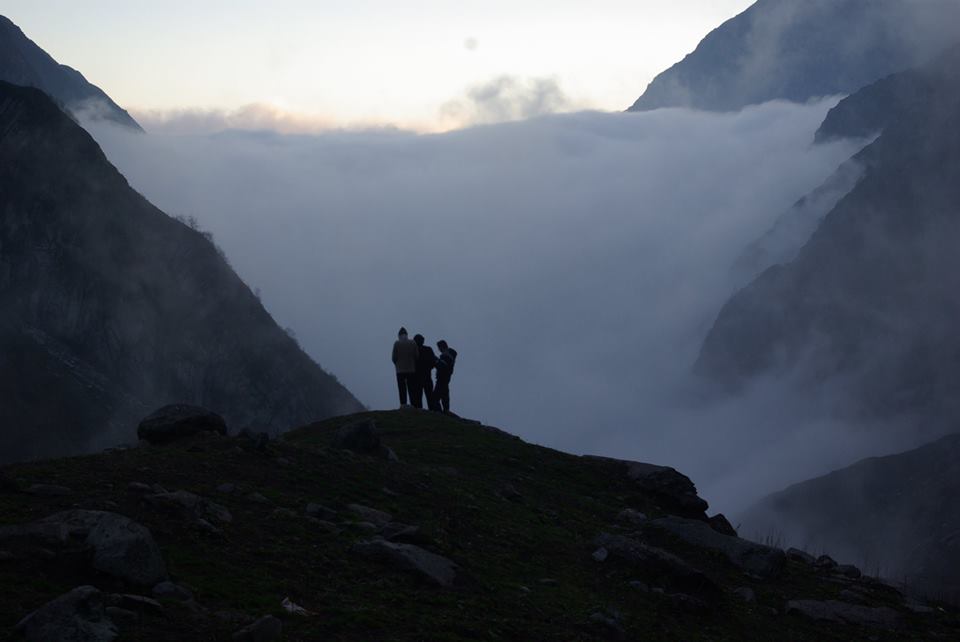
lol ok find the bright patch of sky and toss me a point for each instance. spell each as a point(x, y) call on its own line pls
point(365, 61)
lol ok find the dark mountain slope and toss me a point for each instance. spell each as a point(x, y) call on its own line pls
point(22, 62)
point(910, 531)
point(784, 49)
point(109, 308)
point(520, 522)
point(872, 297)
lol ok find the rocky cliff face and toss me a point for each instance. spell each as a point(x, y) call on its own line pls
point(22, 62)
point(783, 49)
point(872, 297)
point(109, 308)
point(910, 531)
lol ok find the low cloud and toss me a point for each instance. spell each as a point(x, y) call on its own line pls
point(575, 261)
point(504, 99)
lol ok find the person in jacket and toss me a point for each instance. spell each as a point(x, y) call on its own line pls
point(405, 354)
point(423, 387)
point(445, 364)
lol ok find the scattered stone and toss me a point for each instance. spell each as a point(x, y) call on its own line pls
point(643, 587)
point(848, 570)
point(139, 487)
point(79, 615)
point(174, 422)
point(547, 581)
point(170, 591)
point(204, 526)
point(835, 611)
point(397, 532)
point(257, 498)
point(158, 489)
point(632, 517)
point(227, 489)
point(122, 616)
point(295, 609)
point(751, 557)
point(826, 562)
point(321, 512)
point(329, 527)
point(120, 547)
point(199, 507)
point(263, 630)
point(48, 490)
point(364, 527)
point(797, 555)
point(746, 594)
point(722, 525)
point(387, 453)
point(137, 603)
point(601, 554)
point(655, 561)
point(389, 493)
point(609, 621)
point(510, 493)
point(435, 568)
point(372, 515)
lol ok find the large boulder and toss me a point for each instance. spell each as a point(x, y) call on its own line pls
point(77, 616)
point(174, 422)
point(673, 491)
point(748, 556)
point(881, 617)
point(407, 557)
point(654, 562)
point(117, 545)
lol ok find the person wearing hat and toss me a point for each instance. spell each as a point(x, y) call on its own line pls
point(405, 353)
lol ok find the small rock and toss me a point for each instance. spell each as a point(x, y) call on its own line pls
point(139, 487)
point(386, 491)
point(918, 608)
point(138, 603)
point(364, 527)
point(329, 527)
point(227, 489)
point(372, 515)
point(283, 461)
point(848, 570)
point(435, 568)
point(609, 621)
point(601, 554)
point(746, 594)
point(797, 555)
point(510, 493)
point(78, 615)
point(547, 581)
point(643, 587)
point(200, 507)
point(204, 526)
point(321, 512)
point(175, 422)
point(397, 532)
point(158, 489)
point(48, 490)
point(257, 498)
point(171, 591)
point(283, 513)
point(295, 609)
point(263, 630)
point(122, 617)
point(632, 517)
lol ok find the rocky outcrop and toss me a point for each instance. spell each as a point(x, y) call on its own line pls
point(117, 545)
point(653, 562)
point(174, 422)
point(407, 557)
point(750, 557)
point(77, 616)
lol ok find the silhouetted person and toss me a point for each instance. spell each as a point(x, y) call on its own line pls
point(426, 360)
point(405, 359)
point(445, 363)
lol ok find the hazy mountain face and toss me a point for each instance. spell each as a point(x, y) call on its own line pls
point(894, 515)
point(790, 50)
point(22, 62)
point(871, 300)
point(109, 308)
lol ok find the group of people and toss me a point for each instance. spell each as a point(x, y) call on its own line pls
point(415, 363)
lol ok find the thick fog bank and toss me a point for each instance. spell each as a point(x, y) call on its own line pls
point(576, 262)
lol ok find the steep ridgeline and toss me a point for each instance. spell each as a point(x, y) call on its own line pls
point(23, 63)
point(910, 531)
point(871, 299)
point(784, 49)
point(109, 308)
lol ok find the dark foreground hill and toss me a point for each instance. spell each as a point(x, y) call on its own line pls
point(109, 308)
point(22, 62)
point(910, 531)
point(870, 301)
point(789, 50)
point(446, 530)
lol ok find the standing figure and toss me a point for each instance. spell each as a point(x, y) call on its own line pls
point(445, 363)
point(405, 360)
point(425, 364)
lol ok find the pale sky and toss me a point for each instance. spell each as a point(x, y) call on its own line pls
point(364, 61)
